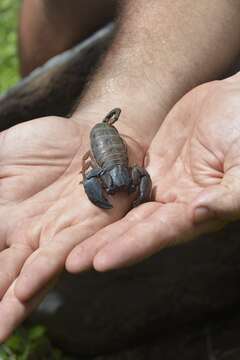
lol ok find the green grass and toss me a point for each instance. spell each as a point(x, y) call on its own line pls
point(8, 43)
point(30, 344)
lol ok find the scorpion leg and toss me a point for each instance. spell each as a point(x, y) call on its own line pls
point(93, 188)
point(142, 181)
point(85, 165)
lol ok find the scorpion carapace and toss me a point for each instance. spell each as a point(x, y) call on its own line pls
point(110, 171)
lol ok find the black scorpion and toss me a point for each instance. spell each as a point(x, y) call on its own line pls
point(109, 161)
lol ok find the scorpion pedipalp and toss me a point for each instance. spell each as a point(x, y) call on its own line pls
point(93, 188)
point(143, 183)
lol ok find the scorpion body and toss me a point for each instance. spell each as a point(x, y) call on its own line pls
point(109, 161)
point(107, 146)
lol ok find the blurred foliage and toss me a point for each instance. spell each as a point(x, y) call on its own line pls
point(30, 344)
point(8, 43)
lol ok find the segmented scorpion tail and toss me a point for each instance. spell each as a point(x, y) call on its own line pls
point(112, 116)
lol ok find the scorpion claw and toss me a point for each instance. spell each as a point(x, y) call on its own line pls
point(94, 192)
point(143, 179)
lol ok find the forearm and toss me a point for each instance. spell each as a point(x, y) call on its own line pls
point(162, 50)
point(48, 27)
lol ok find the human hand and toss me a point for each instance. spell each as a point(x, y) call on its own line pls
point(194, 162)
point(44, 210)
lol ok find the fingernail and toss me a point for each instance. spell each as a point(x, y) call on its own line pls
point(202, 214)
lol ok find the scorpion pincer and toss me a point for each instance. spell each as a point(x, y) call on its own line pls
point(110, 172)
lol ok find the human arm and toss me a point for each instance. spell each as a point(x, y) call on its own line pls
point(162, 49)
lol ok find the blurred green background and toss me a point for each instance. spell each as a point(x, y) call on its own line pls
point(30, 344)
point(9, 74)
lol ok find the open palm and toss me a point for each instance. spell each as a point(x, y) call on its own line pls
point(44, 210)
point(194, 162)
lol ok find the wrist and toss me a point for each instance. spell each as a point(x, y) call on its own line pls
point(128, 124)
point(142, 111)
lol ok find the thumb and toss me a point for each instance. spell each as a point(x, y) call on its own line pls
point(220, 202)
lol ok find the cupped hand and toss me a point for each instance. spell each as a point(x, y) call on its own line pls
point(44, 210)
point(194, 162)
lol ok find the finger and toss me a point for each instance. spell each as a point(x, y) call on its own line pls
point(11, 262)
point(81, 257)
point(168, 225)
point(49, 259)
point(13, 311)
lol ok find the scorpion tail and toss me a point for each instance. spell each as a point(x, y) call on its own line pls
point(95, 194)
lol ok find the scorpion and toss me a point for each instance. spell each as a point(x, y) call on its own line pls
point(110, 172)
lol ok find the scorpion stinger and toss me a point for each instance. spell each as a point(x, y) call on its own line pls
point(112, 116)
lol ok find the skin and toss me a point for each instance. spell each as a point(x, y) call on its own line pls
point(47, 227)
point(195, 182)
point(151, 64)
point(39, 183)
